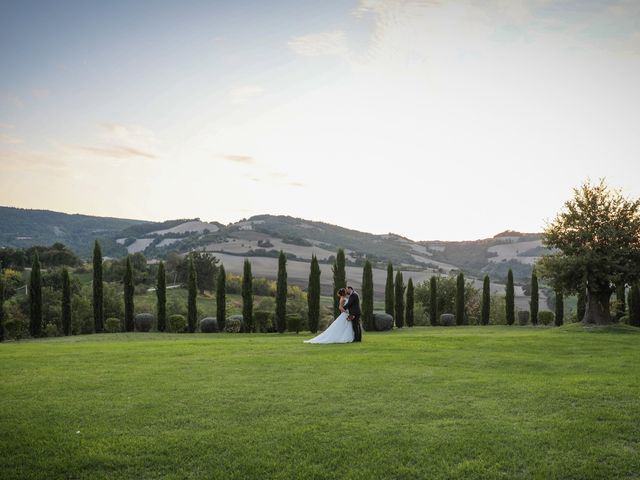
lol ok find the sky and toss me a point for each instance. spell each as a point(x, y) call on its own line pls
point(430, 119)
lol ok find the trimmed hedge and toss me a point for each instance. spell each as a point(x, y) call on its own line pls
point(233, 324)
point(176, 324)
point(209, 325)
point(113, 325)
point(546, 317)
point(264, 321)
point(447, 320)
point(144, 322)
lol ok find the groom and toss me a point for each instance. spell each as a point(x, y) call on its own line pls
point(353, 305)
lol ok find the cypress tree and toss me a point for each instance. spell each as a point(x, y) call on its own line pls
point(98, 295)
point(410, 303)
point(582, 303)
point(559, 308)
point(620, 301)
point(221, 298)
point(281, 294)
point(35, 298)
point(1, 305)
point(339, 279)
point(161, 295)
point(399, 300)
point(192, 299)
point(535, 299)
point(460, 299)
point(247, 297)
point(389, 303)
point(66, 302)
point(486, 301)
point(367, 296)
point(510, 300)
point(433, 300)
point(128, 297)
point(634, 305)
point(313, 295)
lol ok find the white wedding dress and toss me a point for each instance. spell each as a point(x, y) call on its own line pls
point(340, 331)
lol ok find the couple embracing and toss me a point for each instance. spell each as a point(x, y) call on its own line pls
point(346, 328)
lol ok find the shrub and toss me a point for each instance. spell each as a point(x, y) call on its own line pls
point(177, 323)
point(51, 330)
point(16, 322)
point(382, 321)
point(113, 325)
point(209, 325)
point(523, 317)
point(294, 321)
point(264, 321)
point(143, 322)
point(447, 319)
point(233, 324)
point(546, 317)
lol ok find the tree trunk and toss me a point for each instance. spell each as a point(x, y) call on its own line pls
point(598, 309)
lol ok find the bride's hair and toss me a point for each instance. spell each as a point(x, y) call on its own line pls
point(342, 292)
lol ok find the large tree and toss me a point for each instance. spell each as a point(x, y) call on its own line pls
point(534, 305)
point(634, 304)
point(620, 301)
point(128, 296)
point(247, 297)
point(161, 297)
point(433, 300)
point(597, 238)
point(206, 266)
point(192, 297)
point(98, 295)
point(281, 294)
point(221, 298)
point(510, 305)
point(313, 295)
point(35, 298)
point(410, 304)
point(399, 300)
point(486, 301)
point(581, 306)
point(1, 305)
point(339, 279)
point(389, 301)
point(66, 302)
point(460, 299)
point(367, 296)
point(559, 307)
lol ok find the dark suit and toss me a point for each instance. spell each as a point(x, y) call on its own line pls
point(353, 305)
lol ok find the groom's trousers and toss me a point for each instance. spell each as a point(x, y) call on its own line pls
point(357, 329)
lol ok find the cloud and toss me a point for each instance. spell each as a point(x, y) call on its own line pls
point(322, 43)
point(6, 125)
point(9, 139)
point(244, 159)
point(245, 93)
point(112, 151)
point(296, 184)
point(11, 100)
point(33, 161)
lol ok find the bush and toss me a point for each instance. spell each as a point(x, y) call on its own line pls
point(294, 322)
point(447, 319)
point(113, 325)
point(233, 324)
point(546, 317)
point(382, 321)
point(209, 325)
point(264, 321)
point(143, 322)
point(624, 319)
point(523, 317)
point(51, 330)
point(16, 322)
point(177, 323)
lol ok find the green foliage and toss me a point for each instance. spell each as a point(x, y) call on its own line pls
point(177, 323)
point(389, 301)
point(486, 301)
point(367, 296)
point(433, 301)
point(247, 298)
point(35, 299)
point(221, 298)
point(128, 296)
point(281, 294)
point(56, 255)
point(582, 303)
point(98, 305)
point(597, 235)
point(559, 307)
point(399, 300)
point(2, 334)
point(546, 317)
point(339, 279)
point(634, 304)
point(143, 322)
point(410, 304)
point(66, 302)
point(234, 324)
point(51, 330)
point(206, 266)
point(313, 295)
point(294, 322)
point(446, 289)
point(264, 321)
point(510, 300)
point(113, 325)
point(534, 304)
point(192, 306)
point(620, 303)
point(161, 296)
point(460, 306)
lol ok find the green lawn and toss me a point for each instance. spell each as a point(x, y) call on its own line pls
point(463, 402)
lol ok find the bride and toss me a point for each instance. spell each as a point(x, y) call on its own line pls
point(340, 331)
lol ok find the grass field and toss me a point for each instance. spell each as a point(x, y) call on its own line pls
point(465, 402)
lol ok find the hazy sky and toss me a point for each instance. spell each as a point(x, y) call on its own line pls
point(431, 119)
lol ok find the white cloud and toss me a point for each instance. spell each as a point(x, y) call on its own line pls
point(245, 93)
point(317, 44)
point(9, 139)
